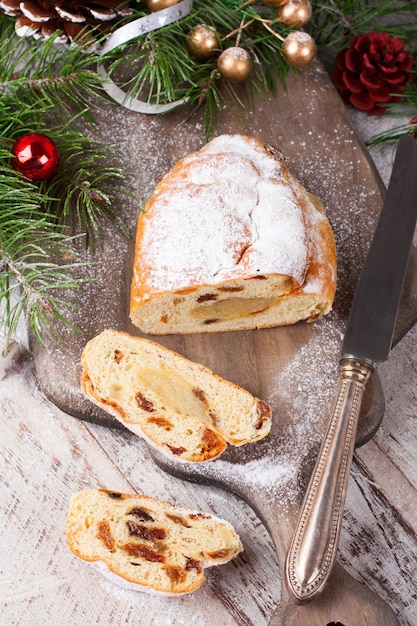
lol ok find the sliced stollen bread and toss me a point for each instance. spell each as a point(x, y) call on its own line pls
point(183, 408)
point(231, 240)
point(146, 544)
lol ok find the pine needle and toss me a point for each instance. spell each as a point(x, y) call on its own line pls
point(49, 88)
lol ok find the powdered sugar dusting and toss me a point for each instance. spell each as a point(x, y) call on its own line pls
point(227, 209)
point(301, 397)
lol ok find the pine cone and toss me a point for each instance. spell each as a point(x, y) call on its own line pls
point(71, 18)
point(372, 71)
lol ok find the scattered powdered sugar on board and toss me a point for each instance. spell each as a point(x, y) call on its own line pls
point(351, 204)
point(137, 141)
point(370, 126)
point(304, 391)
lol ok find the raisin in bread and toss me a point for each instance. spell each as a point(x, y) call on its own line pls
point(183, 408)
point(230, 240)
point(146, 544)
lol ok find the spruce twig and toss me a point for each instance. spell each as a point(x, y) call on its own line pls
point(335, 22)
point(46, 74)
point(158, 67)
point(47, 88)
point(28, 242)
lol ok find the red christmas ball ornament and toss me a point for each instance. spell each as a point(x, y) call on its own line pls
point(35, 156)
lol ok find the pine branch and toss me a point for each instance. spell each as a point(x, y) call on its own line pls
point(26, 286)
point(83, 194)
point(47, 88)
point(34, 221)
point(406, 108)
point(158, 67)
point(49, 75)
point(28, 242)
point(335, 22)
point(86, 186)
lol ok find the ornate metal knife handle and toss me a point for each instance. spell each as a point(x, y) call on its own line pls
point(315, 540)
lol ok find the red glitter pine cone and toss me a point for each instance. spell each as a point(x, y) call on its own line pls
point(372, 71)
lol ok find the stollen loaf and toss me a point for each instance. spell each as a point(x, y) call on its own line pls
point(230, 240)
point(146, 544)
point(183, 408)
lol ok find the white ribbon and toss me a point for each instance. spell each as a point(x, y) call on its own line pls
point(135, 29)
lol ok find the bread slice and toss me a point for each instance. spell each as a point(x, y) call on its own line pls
point(147, 544)
point(230, 240)
point(183, 408)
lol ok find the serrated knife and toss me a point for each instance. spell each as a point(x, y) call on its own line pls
point(367, 341)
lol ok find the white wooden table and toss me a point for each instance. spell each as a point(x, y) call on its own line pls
point(45, 457)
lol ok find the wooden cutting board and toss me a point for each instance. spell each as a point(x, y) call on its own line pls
point(292, 368)
point(309, 123)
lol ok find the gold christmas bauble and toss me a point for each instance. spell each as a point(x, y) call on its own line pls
point(235, 64)
point(295, 13)
point(299, 48)
point(203, 42)
point(159, 5)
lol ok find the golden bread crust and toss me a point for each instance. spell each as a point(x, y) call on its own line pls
point(270, 263)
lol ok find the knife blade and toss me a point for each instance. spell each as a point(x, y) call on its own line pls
point(367, 340)
point(372, 317)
